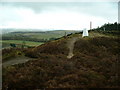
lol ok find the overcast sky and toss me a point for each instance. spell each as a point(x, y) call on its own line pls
point(57, 15)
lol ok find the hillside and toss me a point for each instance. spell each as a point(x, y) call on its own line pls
point(94, 64)
point(32, 38)
point(36, 35)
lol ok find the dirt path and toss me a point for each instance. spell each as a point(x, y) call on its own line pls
point(17, 60)
point(70, 45)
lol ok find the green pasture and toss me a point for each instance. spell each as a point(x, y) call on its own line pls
point(6, 43)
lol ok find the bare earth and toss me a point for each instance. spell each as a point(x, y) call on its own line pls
point(70, 45)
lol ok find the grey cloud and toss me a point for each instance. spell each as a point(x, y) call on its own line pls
point(93, 8)
point(102, 9)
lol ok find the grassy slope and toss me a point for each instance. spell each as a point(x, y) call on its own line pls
point(20, 42)
point(32, 36)
point(41, 35)
point(93, 65)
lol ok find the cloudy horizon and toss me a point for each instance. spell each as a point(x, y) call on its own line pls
point(57, 15)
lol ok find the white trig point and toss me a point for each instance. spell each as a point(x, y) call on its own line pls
point(104, 28)
point(85, 32)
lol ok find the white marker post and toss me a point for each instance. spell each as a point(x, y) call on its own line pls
point(85, 33)
point(104, 28)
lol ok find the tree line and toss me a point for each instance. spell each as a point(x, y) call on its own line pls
point(27, 38)
point(109, 27)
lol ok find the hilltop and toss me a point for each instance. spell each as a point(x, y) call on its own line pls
point(92, 65)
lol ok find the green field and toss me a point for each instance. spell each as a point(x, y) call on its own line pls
point(38, 34)
point(6, 43)
point(32, 38)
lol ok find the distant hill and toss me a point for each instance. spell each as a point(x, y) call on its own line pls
point(8, 30)
point(17, 37)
